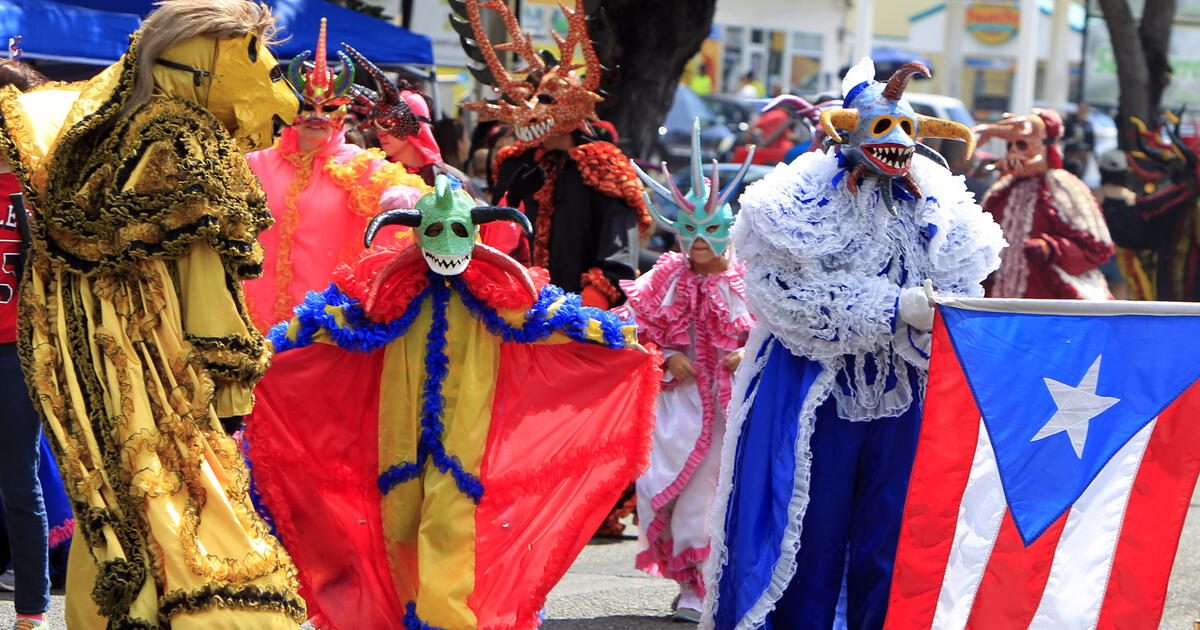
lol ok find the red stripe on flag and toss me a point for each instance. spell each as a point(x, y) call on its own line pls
point(1014, 578)
point(949, 432)
point(1162, 490)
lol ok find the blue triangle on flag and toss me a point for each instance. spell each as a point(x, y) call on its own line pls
point(1013, 361)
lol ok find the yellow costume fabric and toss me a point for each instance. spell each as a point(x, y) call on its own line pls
point(135, 341)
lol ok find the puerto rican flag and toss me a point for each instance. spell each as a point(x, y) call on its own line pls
point(1058, 452)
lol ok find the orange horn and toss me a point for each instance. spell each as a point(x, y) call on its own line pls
point(836, 118)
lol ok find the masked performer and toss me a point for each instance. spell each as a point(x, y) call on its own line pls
point(1057, 233)
point(583, 198)
point(135, 338)
point(1158, 231)
point(500, 420)
point(824, 419)
point(321, 190)
point(693, 306)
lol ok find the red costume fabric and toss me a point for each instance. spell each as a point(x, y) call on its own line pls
point(10, 249)
point(542, 431)
point(1056, 234)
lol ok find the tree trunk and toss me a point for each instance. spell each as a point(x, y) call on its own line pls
point(1140, 50)
point(648, 42)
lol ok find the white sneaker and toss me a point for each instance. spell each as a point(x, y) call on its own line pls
point(8, 582)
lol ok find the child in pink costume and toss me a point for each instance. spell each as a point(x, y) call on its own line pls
point(693, 306)
point(321, 190)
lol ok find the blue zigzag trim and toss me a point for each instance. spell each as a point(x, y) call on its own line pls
point(412, 621)
point(571, 318)
point(430, 445)
point(361, 334)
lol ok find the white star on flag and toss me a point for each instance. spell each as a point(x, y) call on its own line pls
point(1076, 407)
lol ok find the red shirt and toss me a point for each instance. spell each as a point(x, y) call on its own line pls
point(10, 248)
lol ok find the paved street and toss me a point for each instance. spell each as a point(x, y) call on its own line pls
point(604, 592)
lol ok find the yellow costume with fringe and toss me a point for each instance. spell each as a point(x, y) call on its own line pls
point(135, 339)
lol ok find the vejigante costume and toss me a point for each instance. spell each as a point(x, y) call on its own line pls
point(1057, 233)
point(441, 431)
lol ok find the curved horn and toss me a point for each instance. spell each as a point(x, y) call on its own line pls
point(676, 196)
point(487, 214)
point(650, 181)
point(930, 127)
point(836, 118)
point(697, 175)
point(733, 184)
point(496, 258)
point(294, 71)
point(714, 189)
point(386, 89)
point(799, 106)
point(894, 90)
point(658, 217)
point(399, 216)
point(346, 78)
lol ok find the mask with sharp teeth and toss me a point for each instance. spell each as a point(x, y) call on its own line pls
point(446, 222)
point(704, 212)
point(877, 129)
point(552, 98)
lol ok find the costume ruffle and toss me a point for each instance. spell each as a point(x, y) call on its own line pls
point(473, 441)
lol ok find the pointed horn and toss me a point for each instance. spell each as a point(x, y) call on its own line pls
point(320, 74)
point(733, 184)
point(346, 78)
point(714, 188)
point(697, 176)
point(677, 197)
point(930, 127)
point(655, 214)
point(400, 216)
point(894, 90)
point(497, 258)
point(933, 155)
point(650, 181)
point(383, 85)
point(838, 118)
point(295, 68)
point(487, 214)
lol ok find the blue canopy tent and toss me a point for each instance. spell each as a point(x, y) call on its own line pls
point(62, 32)
point(383, 43)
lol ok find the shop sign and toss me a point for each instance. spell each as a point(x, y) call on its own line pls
point(993, 24)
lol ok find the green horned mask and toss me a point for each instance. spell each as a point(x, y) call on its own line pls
point(446, 222)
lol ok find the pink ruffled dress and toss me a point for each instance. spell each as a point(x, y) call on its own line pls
point(325, 226)
point(705, 317)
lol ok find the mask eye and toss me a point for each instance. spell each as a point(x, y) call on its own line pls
point(459, 229)
point(252, 52)
point(689, 227)
point(882, 125)
point(546, 98)
point(1022, 145)
point(330, 108)
point(712, 229)
point(307, 107)
point(434, 230)
point(277, 73)
point(906, 126)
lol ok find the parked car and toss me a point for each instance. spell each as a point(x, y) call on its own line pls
point(675, 135)
point(947, 108)
point(737, 114)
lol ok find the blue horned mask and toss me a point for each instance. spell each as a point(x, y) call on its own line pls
point(883, 127)
point(704, 212)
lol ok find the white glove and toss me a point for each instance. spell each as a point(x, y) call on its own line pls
point(399, 197)
point(915, 309)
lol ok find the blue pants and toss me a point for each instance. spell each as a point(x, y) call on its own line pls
point(860, 474)
point(20, 489)
point(858, 481)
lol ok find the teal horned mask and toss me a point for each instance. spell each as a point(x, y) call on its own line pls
point(704, 212)
point(446, 222)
